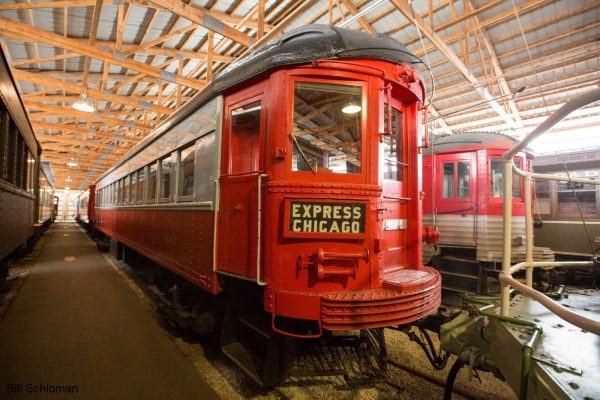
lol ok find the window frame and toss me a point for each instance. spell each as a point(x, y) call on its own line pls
point(364, 140)
point(180, 174)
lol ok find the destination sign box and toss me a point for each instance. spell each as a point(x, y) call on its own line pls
point(325, 218)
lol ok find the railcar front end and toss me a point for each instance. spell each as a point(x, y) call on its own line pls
point(291, 188)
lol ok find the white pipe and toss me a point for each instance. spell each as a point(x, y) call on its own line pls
point(506, 236)
point(581, 101)
point(569, 316)
point(547, 177)
point(258, 230)
point(551, 264)
point(528, 232)
point(506, 279)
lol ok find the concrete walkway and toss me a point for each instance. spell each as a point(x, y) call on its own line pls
point(76, 325)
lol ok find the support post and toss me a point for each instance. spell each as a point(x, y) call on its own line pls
point(507, 234)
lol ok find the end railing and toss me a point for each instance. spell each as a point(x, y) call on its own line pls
point(506, 279)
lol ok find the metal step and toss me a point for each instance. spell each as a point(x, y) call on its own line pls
point(246, 360)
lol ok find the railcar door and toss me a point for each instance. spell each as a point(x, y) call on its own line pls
point(242, 165)
point(456, 197)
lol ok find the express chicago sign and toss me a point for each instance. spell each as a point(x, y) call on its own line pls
point(330, 218)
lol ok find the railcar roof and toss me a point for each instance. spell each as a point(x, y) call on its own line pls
point(470, 141)
point(299, 46)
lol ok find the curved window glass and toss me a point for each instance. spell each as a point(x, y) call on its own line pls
point(327, 129)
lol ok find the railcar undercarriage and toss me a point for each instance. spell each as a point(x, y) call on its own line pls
point(242, 330)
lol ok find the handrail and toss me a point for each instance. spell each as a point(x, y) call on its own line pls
point(259, 229)
point(506, 278)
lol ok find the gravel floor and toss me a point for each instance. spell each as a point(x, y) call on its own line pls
point(230, 382)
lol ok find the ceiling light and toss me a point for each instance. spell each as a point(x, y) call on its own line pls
point(84, 104)
point(351, 109)
point(68, 180)
point(72, 163)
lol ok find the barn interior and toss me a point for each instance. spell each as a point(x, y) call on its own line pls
point(91, 88)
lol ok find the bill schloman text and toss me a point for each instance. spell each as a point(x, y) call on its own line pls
point(40, 388)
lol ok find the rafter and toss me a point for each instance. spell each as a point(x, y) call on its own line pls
point(44, 138)
point(221, 16)
point(504, 89)
point(201, 17)
point(434, 38)
point(114, 135)
point(47, 4)
point(45, 59)
point(160, 39)
point(23, 30)
point(362, 21)
point(93, 93)
point(87, 116)
point(92, 39)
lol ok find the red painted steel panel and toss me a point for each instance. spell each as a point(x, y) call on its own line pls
point(181, 240)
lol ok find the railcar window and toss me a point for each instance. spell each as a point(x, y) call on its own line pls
point(152, 184)
point(186, 171)
point(127, 189)
point(327, 128)
point(573, 197)
point(31, 172)
point(120, 191)
point(165, 177)
point(141, 185)
point(133, 197)
point(12, 152)
point(448, 185)
point(541, 202)
point(245, 133)
point(464, 175)
point(392, 144)
point(496, 181)
point(3, 141)
point(19, 161)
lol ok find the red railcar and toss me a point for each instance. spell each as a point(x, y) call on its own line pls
point(85, 207)
point(290, 186)
point(462, 180)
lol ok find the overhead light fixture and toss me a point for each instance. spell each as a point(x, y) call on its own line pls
point(84, 104)
point(351, 109)
point(72, 163)
point(68, 179)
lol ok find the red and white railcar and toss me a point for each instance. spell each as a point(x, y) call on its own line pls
point(462, 180)
point(293, 182)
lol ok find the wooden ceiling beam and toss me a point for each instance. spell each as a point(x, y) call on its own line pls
point(362, 21)
point(45, 138)
point(85, 159)
point(112, 135)
point(201, 17)
point(45, 59)
point(220, 16)
point(46, 4)
point(27, 31)
point(87, 116)
point(92, 39)
point(434, 38)
point(160, 39)
point(92, 93)
point(504, 88)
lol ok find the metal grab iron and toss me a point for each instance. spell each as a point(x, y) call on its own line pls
point(316, 260)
